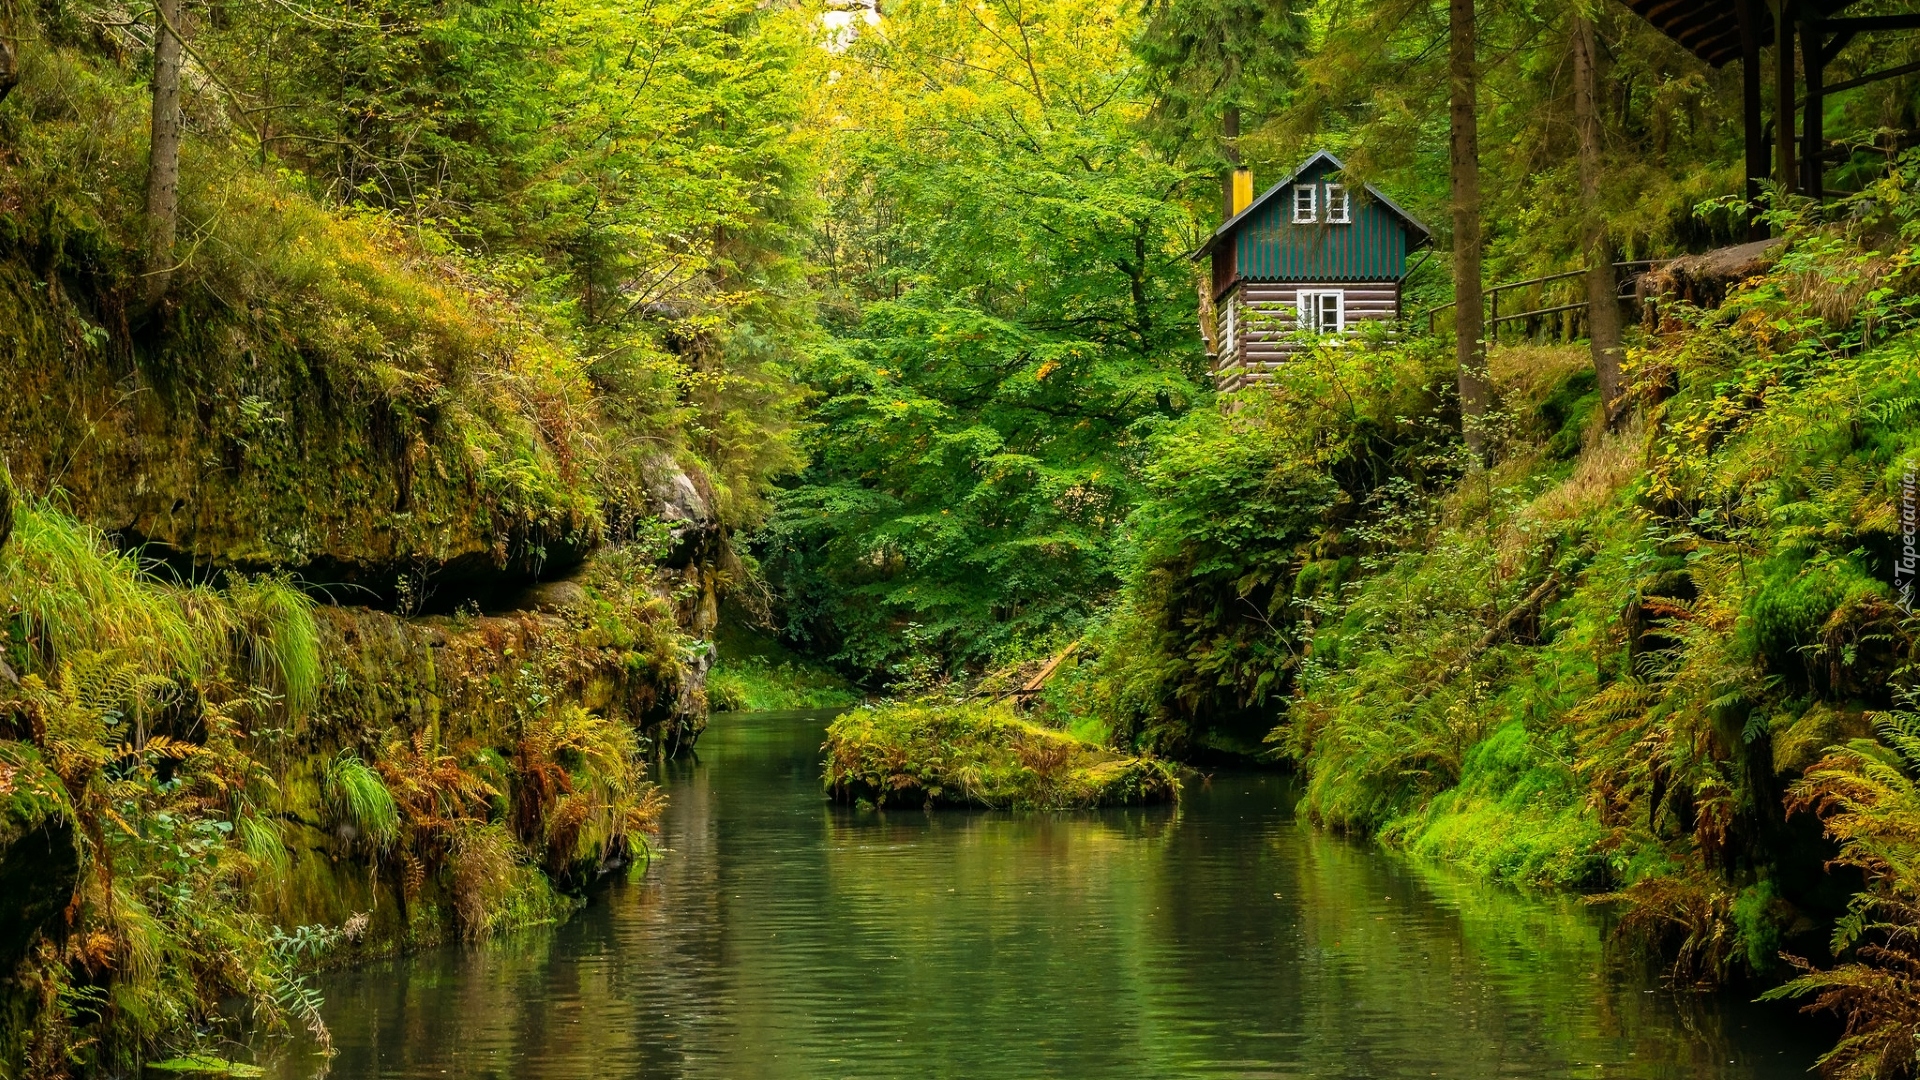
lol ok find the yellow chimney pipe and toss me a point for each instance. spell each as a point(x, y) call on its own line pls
point(1242, 189)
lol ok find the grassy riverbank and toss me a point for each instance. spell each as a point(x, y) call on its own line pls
point(975, 754)
point(1666, 661)
point(755, 673)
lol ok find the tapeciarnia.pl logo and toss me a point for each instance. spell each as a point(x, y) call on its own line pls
point(1908, 564)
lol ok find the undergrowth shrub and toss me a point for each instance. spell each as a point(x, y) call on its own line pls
point(1867, 794)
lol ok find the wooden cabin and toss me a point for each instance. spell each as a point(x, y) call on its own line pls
point(1307, 259)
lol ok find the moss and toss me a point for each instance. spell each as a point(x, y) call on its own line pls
point(1518, 814)
point(980, 755)
point(1566, 412)
point(1785, 615)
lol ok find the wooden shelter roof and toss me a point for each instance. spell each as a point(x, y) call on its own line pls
point(1710, 29)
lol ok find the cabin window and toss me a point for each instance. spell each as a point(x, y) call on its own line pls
point(1323, 312)
point(1306, 208)
point(1229, 339)
point(1339, 207)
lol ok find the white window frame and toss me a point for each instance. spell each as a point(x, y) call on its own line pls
point(1311, 212)
point(1309, 308)
point(1339, 205)
point(1228, 339)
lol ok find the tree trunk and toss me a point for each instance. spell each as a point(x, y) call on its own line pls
point(1230, 146)
point(163, 169)
point(1603, 290)
point(6, 507)
point(1470, 351)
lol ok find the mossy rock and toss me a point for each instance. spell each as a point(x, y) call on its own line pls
point(335, 428)
point(981, 755)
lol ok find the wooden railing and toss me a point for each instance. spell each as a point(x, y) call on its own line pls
point(1565, 316)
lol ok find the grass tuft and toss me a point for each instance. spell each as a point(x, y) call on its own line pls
point(358, 797)
point(281, 639)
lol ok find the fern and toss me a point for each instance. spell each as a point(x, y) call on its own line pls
point(1868, 795)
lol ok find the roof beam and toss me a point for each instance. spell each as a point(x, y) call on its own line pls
point(1864, 24)
point(1710, 29)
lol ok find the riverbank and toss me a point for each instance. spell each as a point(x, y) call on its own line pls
point(207, 793)
point(372, 524)
point(754, 672)
point(1664, 660)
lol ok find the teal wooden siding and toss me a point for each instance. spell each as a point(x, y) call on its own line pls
point(1272, 248)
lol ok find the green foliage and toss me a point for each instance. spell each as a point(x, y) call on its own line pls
point(756, 673)
point(755, 684)
point(1235, 540)
point(280, 636)
point(581, 797)
point(981, 755)
point(70, 592)
point(1012, 314)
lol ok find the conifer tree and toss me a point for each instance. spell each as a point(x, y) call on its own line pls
point(1470, 349)
point(1603, 307)
point(1218, 62)
point(163, 168)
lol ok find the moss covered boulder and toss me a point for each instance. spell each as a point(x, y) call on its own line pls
point(981, 755)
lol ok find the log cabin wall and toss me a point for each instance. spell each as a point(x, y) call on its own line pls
point(1264, 319)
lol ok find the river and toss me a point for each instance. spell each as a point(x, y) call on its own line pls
point(778, 936)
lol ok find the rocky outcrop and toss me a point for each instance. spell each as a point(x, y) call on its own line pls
point(685, 507)
point(235, 442)
point(463, 678)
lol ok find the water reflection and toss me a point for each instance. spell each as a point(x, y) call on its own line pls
point(783, 937)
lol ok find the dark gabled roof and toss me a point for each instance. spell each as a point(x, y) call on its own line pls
point(1710, 29)
point(1421, 232)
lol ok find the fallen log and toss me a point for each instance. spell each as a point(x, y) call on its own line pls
point(1500, 630)
point(1703, 280)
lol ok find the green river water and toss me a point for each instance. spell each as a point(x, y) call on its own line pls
point(778, 936)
